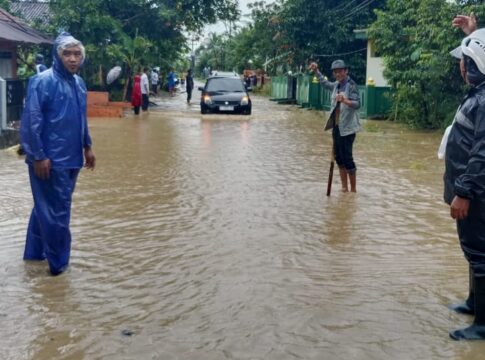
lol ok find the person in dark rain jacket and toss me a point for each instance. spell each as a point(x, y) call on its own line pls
point(189, 85)
point(464, 178)
point(55, 136)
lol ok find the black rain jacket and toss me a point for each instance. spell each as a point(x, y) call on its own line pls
point(465, 152)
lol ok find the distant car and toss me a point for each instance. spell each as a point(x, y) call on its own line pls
point(225, 94)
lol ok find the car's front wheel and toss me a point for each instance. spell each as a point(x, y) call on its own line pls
point(247, 111)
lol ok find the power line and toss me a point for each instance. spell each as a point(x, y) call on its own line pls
point(358, 8)
point(341, 54)
point(343, 6)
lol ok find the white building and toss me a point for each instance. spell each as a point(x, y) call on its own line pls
point(375, 64)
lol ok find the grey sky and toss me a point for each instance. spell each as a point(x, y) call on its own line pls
point(243, 6)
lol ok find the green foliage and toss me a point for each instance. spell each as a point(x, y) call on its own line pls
point(285, 35)
point(135, 33)
point(415, 37)
point(324, 30)
point(5, 4)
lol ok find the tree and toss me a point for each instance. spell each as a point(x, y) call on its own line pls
point(5, 4)
point(324, 30)
point(415, 37)
point(287, 34)
point(130, 52)
point(163, 23)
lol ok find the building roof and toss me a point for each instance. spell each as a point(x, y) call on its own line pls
point(32, 11)
point(15, 30)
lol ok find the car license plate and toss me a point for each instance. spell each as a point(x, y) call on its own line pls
point(226, 108)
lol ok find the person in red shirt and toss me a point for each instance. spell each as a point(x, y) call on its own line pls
point(136, 94)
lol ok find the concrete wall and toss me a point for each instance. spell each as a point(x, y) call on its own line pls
point(375, 67)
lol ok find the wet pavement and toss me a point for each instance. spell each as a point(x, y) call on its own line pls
point(211, 237)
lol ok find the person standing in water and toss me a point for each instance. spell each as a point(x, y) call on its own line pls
point(55, 136)
point(344, 120)
point(189, 85)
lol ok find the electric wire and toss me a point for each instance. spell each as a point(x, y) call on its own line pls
point(341, 54)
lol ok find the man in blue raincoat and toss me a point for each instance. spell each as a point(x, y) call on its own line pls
point(55, 136)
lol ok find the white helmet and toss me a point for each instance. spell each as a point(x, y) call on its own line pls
point(474, 47)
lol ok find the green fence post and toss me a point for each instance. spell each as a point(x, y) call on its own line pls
point(371, 101)
point(313, 95)
point(305, 91)
point(363, 101)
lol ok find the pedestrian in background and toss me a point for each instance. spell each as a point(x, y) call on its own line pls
point(39, 64)
point(55, 136)
point(171, 82)
point(154, 81)
point(136, 97)
point(189, 85)
point(344, 120)
point(145, 89)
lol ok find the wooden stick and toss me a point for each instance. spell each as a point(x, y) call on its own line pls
point(330, 178)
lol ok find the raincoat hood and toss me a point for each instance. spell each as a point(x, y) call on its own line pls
point(473, 74)
point(64, 40)
point(54, 124)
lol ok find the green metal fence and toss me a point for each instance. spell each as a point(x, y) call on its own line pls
point(303, 90)
point(379, 101)
point(279, 87)
point(363, 101)
point(374, 101)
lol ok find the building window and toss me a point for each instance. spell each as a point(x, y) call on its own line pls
point(6, 69)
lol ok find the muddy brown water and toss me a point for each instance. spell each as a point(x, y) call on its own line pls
point(210, 237)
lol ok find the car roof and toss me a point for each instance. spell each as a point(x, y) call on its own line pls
point(216, 73)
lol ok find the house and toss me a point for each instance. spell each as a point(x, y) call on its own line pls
point(14, 32)
point(375, 64)
point(32, 11)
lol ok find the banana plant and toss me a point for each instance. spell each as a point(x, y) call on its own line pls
point(131, 52)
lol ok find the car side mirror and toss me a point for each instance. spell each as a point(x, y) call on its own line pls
point(201, 88)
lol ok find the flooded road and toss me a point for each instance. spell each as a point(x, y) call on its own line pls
point(211, 237)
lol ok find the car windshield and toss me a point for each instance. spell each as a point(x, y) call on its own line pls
point(225, 85)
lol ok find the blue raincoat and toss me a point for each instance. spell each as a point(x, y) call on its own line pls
point(54, 126)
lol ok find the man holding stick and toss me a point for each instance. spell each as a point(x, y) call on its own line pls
point(344, 120)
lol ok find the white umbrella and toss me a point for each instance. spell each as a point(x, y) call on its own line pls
point(113, 74)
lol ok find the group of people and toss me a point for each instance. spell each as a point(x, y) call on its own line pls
point(464, 178)
point(55, 136)
point(141, 87)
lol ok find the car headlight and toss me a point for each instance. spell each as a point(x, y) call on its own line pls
point(245, 100)
point(207, 100)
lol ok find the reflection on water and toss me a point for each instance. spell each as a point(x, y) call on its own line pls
point(210, 237)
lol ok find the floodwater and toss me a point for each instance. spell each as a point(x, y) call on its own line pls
point(211, 237)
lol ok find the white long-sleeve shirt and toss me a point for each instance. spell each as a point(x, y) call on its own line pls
point(154, 78)
point(145, 87)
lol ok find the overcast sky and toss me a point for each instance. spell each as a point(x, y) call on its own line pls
point(243, 6)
